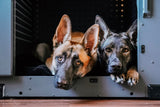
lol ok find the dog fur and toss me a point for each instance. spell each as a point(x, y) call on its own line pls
point(74, 53)
point(118, 53)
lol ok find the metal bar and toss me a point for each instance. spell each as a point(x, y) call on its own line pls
point(14, 36)
point(24, 21)
point(24, 27)
point(25, 34)
point(24, 8)
point(29, 7)
point(19, 38)
point(23, 14)
point(146, 9)
point(29, 2)
point(2, 88)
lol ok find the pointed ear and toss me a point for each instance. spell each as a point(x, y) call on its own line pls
point(132, 33)
point(91, 39)
point(63, 31)
point(104, 30)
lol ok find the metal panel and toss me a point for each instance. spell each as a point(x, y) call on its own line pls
point(149, 36)
point(42, 86)
point(5, 37)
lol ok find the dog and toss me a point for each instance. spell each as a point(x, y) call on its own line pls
point(74, 53)
point(118, 53)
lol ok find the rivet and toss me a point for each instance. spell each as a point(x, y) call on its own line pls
point(152, 62)
point(131, 93)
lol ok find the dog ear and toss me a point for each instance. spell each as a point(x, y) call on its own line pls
point(132, 33)
point(104, 30)
point(63, 31)
point(90, 41)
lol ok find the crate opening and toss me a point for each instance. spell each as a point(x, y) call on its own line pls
point(36, 22)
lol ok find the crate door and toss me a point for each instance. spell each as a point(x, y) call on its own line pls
point(5, 38)
point(149, 40)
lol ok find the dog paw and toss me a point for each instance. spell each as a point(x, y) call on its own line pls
point(132, 77)
point(118, 78)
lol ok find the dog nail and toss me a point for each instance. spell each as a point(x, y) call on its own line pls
point(118, 80)
point(134, 82)
point(112, 77)
point(129, 80)
point(131, 84)
point(122, 82)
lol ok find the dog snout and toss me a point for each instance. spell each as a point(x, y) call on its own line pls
point(63, 84)
point(116, 67)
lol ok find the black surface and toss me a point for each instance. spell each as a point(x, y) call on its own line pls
point(46, 15)
point(1, 90)
point(154, 91)
point(40, 70)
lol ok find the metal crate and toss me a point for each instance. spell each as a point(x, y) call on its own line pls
point(22, 31)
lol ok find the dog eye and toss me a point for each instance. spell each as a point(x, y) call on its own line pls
point(124, 50)
point(108, 50)
point(60, 59)
point(78, 62)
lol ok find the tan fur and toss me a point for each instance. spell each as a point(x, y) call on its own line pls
point(64, 40)
point(63, 29)
point(75, 37)
point(132, 73)
point(58, 51)
point(86, 60)
point(49, 62)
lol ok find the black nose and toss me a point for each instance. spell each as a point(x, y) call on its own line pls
point(62, 85)
point(116, 67)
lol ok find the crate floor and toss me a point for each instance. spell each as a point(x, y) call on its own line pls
point(78, 103)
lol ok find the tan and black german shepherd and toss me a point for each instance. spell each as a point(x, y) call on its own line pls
point(74, 53)
point(118, 53)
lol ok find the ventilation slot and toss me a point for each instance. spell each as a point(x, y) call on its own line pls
point(24, 20)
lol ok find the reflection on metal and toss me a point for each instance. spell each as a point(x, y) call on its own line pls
point(147, 5)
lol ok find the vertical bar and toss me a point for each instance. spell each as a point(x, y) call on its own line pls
point(5, 37)
point(147, 9)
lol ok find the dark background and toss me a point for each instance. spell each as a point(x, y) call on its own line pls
point(82, 14)
point(36, 22)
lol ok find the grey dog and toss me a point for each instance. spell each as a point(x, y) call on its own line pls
point(118, 55)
